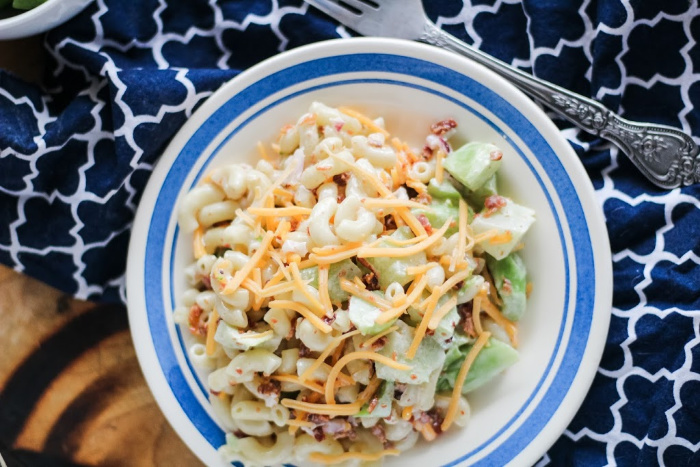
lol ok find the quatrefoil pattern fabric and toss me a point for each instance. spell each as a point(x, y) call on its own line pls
point(77, 151)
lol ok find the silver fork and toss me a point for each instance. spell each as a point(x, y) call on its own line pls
point(665, 155)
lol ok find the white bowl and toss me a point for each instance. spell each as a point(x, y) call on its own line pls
point(40, 19)
point(517, 417)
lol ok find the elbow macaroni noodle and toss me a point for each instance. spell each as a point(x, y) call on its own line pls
point(272, 336)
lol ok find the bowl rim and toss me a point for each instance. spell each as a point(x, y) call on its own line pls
point(29, 22)
point(601, 253)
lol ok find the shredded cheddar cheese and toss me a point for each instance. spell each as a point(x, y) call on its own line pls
point(454, 280)
point(441, 312)
point(488, 235)
point(462, 239)
point(461, 376)
point(252, 286)
point(374, 203)
point(394, 241)
point(271, 291)
point(285, 195)
point(242, 274)
point(334, 258)
point(501, 320)
point(297, 380)
point(324, 355)
point(329, 459)
point(278, 212)
point(364, 294)
point(364, 120)
point(314, 303)
point(428, 432)
point(501, 238)
point(323, 409)
point(303, 311)
point(476, 310)
point(323, 289)
point(439, 169)
point(422, 269)
point(368, 343)
point(198, 243)
point(395, 312)
point(211, 331)
point(257, 280)
point(370, 252)
point(422, 327)
point(300, 423)
point(332, 250)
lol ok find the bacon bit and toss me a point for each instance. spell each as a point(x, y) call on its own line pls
point(196, 321)
point(372, 404)
point(339, 429)
point(371, 281)
point(425, 223)
point(429, 332)
point(341, 179)
point(328, 319)
point(443, 126)
point(465, 311)
point(390, 223)
point(423, 198)
point(494, 203)
point(379, 343)
point(433, 419)
point(270, 386)
point(427, 153)
point(414, 377)
point(294, 223)
point(292, 330)
point(378, 432)
point(239, 371)
point(496, 155)
point(304, 351)
point(206, 281)
point(317, 419)
point(368, 265)
point(399, 389)
point(507, 287)
point(412, 193)
point(319, 435)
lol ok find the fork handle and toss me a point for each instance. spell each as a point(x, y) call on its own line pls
point(665, 155)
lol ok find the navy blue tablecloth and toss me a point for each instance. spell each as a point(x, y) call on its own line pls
point(122, 77)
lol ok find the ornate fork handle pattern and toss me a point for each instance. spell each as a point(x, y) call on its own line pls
point(666, 155)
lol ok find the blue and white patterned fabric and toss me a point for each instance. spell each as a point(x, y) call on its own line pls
point(76, 153)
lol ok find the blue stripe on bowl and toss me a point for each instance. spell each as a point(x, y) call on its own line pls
point(386, 63)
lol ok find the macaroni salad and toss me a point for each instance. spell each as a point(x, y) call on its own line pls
point(345, 297)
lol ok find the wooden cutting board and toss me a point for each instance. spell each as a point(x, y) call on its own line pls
point(71, 389)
